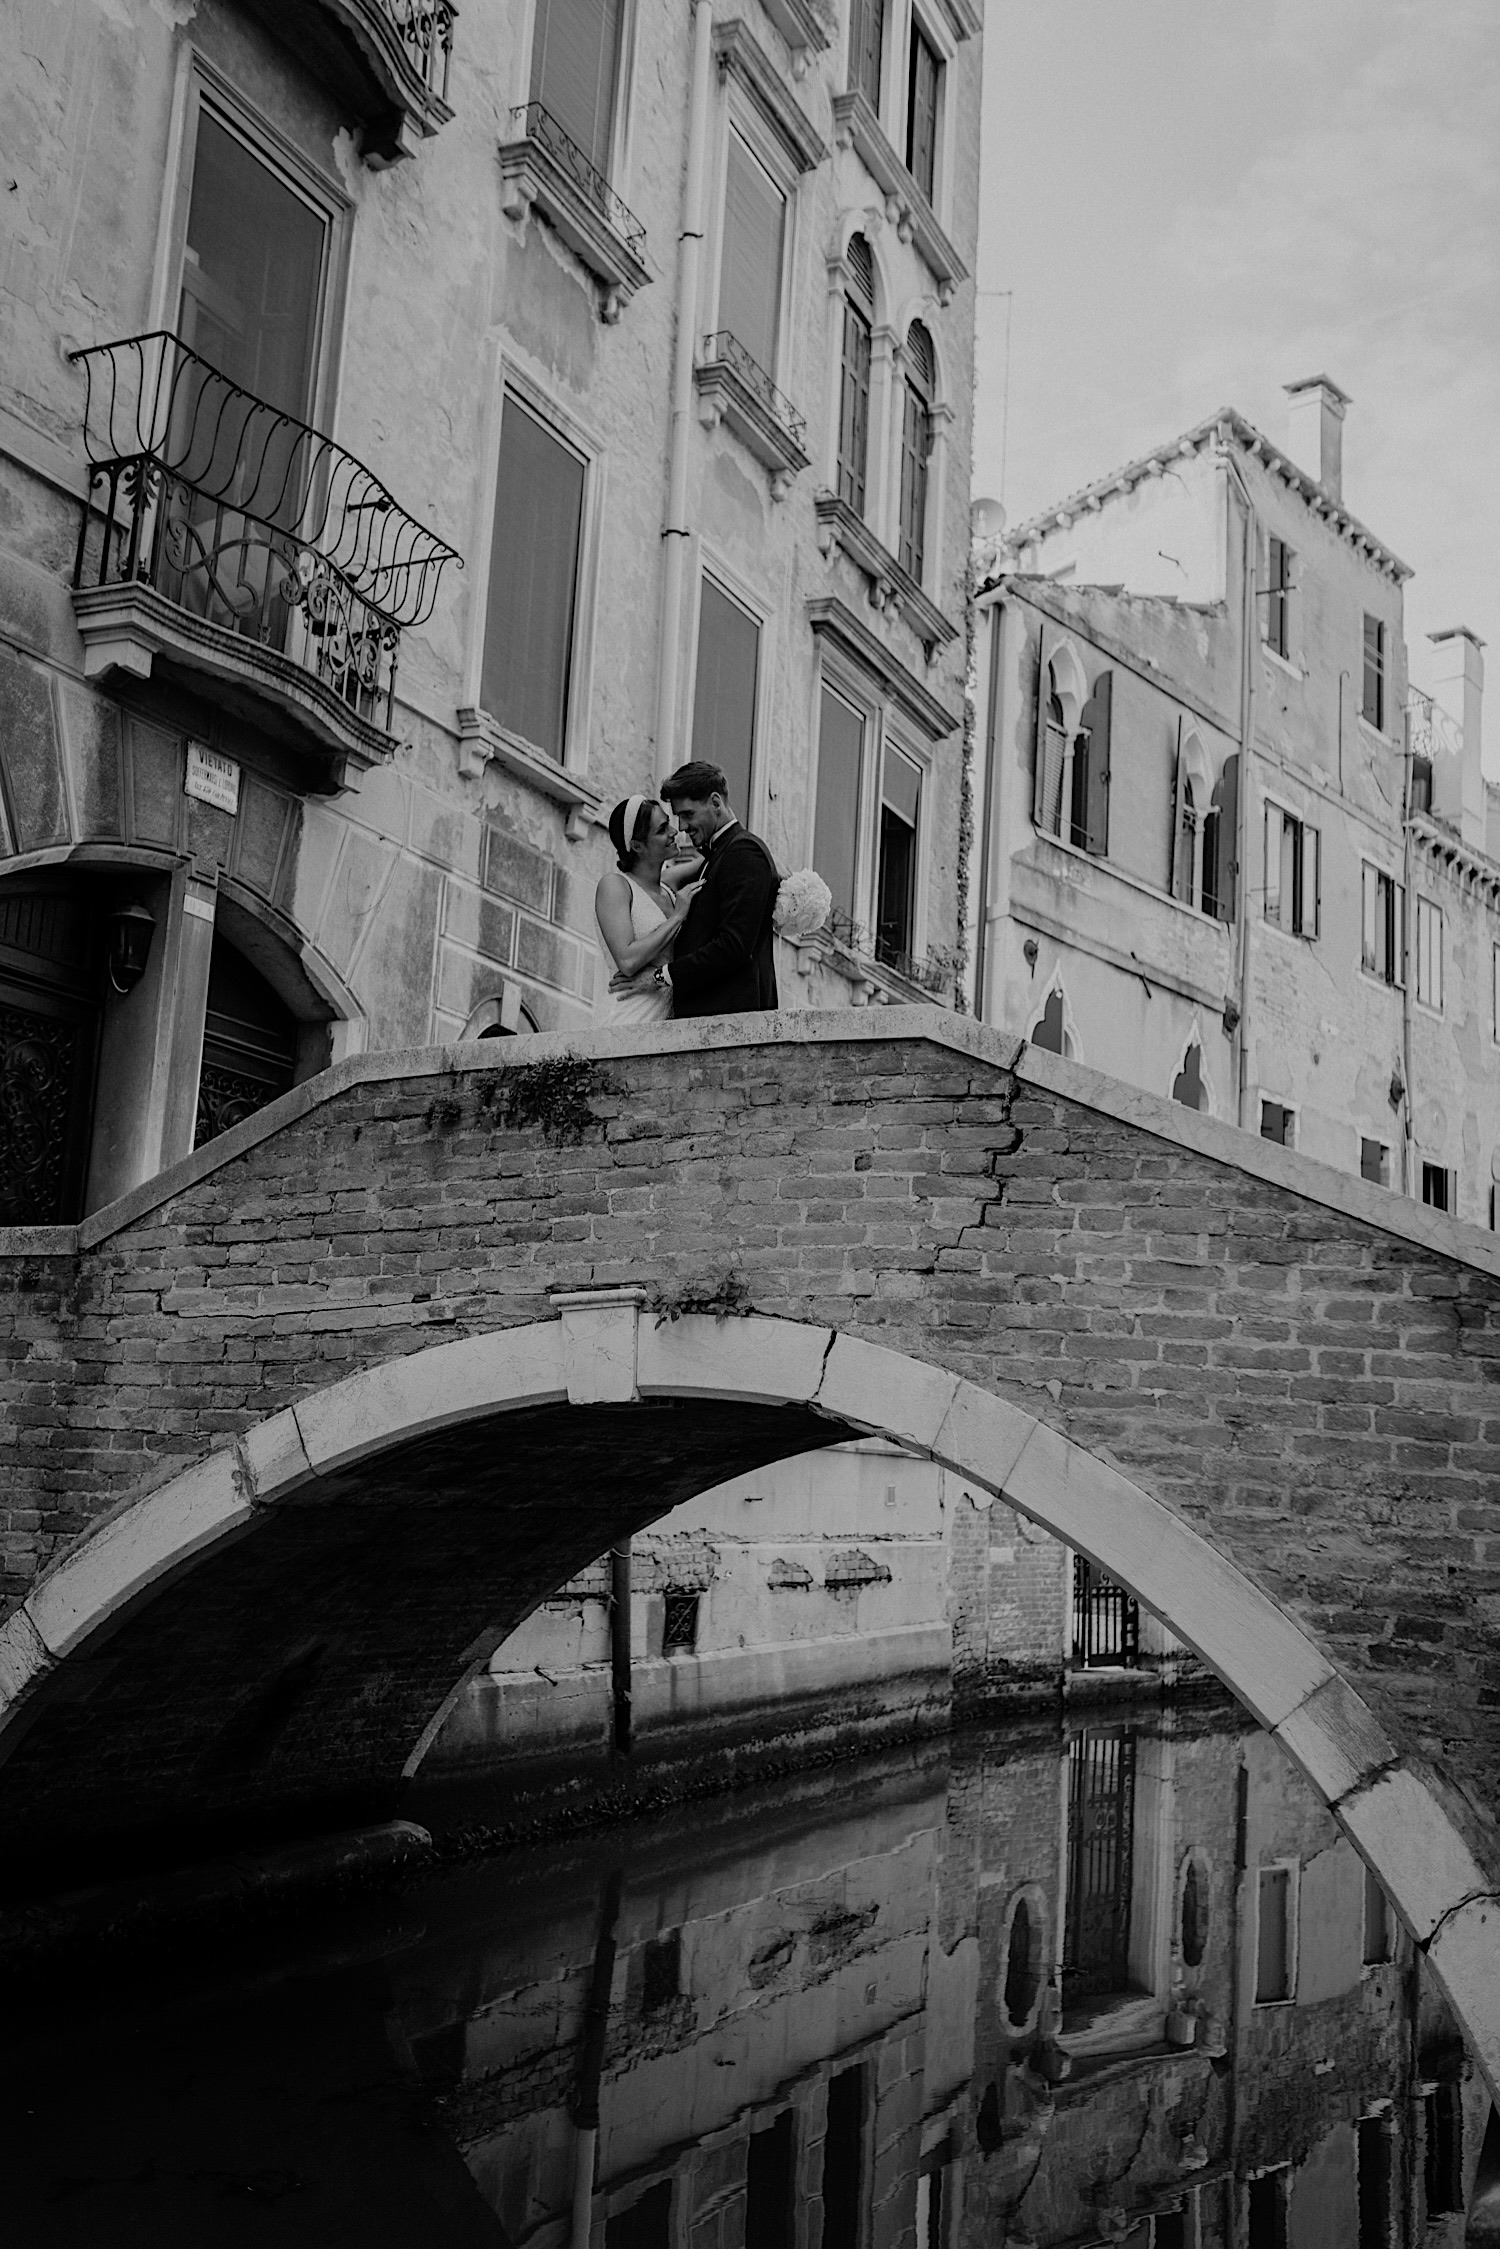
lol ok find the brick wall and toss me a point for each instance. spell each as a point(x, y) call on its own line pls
point(1312, 1391)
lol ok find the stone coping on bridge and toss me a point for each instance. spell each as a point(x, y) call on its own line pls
point(960, 1035)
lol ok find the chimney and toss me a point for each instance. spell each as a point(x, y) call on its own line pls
point(1457, 678)
point(1315, 430)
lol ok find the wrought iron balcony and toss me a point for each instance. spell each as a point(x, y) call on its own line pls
point(543, 170)
point(933, 974)
point(384, 61)
point(735, 389)
point(243, 548)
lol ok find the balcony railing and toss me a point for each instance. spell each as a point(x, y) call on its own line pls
point(249, 524)
point(539, 126)
point(1430, 732)
point(932, 974)
point(425, 28)
point(726, 350)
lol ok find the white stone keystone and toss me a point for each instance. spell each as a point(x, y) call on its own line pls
point(1336, 1739)
point(598, 1344)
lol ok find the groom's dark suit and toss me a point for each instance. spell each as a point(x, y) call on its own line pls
point(724, 961)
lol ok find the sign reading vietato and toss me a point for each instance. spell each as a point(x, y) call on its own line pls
point(213, 778)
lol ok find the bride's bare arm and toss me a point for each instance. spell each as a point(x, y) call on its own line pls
point(632, 953)
point(679, 872)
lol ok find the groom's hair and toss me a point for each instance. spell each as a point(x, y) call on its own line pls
point(697, 781)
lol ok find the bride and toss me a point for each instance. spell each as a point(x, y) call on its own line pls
point(641, 908)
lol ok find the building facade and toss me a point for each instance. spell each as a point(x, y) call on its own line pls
point(417, 431)
point(1230, 853)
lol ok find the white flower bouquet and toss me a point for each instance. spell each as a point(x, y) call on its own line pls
point(803, 904)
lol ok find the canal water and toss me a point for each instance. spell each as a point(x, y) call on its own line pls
point(1048, 1985)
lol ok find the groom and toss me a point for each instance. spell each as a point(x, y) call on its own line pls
point(723, 963)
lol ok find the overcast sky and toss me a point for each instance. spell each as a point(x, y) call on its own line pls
point(1196, 201)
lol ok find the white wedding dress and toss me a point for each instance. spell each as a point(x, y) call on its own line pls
point(653, 1002)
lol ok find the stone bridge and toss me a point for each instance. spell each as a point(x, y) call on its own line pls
point(300, 1430)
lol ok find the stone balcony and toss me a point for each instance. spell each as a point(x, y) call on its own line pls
point(542, 170)
point(384, 61)
point(735, 389)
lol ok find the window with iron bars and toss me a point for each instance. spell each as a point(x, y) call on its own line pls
point(679, 1631)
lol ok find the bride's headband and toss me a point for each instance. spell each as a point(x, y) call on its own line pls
point(632, 814)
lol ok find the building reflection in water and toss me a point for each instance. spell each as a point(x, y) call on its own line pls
point(1112, 1985)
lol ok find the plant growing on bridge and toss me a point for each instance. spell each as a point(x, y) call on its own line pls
point(557, 1096)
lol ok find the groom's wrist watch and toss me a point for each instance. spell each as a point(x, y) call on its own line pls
point(661, 977)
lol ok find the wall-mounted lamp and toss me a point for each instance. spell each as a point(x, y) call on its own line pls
point(1231, 1018)
point(1029, 952)
point(129, 946)
point(1398, 1090)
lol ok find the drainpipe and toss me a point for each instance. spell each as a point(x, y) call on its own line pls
point(1242, 804)
point(619, 1643)
point(1409, 1182)
point(689, 258)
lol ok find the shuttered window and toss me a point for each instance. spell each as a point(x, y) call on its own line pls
point(841, 741)
point(854, 380)
point(528, 640)
point(866, 45)
point(916, 449)
point(724, 694)
point(1372, 706)
point(574, 57)
point(896, 876)
point(923, 79)
point(1384, 920)
point(750, 265)
point(1279, 597)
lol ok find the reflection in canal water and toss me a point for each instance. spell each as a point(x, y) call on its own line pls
point(1100, 1985)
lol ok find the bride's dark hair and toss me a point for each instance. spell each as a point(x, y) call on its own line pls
point(626, 848)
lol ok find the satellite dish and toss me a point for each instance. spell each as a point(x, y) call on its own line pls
point(987, 519)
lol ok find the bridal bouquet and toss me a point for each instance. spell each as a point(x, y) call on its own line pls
point(802, 904)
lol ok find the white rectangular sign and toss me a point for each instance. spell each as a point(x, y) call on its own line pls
point(213, 778)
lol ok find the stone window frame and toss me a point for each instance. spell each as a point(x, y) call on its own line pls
point(201, 84)
point(1292, 1869)
point(482, 738)
point(1421, 987)
point(738, 110)
point(1072, 1047)
point(883, 727)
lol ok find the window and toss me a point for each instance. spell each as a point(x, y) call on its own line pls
point(1375, 1162)
point(1495, 992)
point(1429, 953)
point(1372, 703)
point(528, 638)
point(1188, 1087)
point(661, 1972)
point(1278, 1123)
point(1023, 1966)
point(1293, 873)
point(866, 49)
point(1169, 2229)
point(647, 2224)
point(679, 1630)
point(854, 380)
point(769, 2185)
point(1273, 1950)
point(916, 449)
point(1442, 2150)
point(1194, 1914)
point(253, 270)
point(1384, 943)
point(841, 753)
point(725, 689)
point(1279, 597)
point(1437, 1187)
point(930, 2208)
point(575, 50)
point(896, 872)
point(923, 84)
point(843, 2160)
point(1101, 1864)
point(1376, 2145)
point(1071, 799)
point(1193, 877)
point(1378, 1933)
point(1049, 1031)
point(1268, 2210)
point(750, 259)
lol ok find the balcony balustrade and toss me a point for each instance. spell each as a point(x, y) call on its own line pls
point(244, 549)
point(733, 388)
point(384, 61)
point(543, 170)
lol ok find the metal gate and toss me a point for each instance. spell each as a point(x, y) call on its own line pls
point(1106, 1620)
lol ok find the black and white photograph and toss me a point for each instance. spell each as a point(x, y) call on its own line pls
point(749, 1124)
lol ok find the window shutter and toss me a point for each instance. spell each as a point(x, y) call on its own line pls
point(750, 264)
point(1039, 762)
point(1226, 842)
point(1171, 882)
point(921, 111)
point(1370, 916)
point(573, 62)
point(1096, 723)
point(916, 422)
point(841, 734)
point(528, 641)
point(1313, 922)
point(866, 40)
point(854, 408)
point(724, 691)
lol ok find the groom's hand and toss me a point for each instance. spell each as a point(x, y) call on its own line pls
point(641, 982)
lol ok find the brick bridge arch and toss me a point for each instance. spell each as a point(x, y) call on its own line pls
point(1255, 1391)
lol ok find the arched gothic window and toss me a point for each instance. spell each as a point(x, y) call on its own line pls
point(1049, 1030)
point(854, 382)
